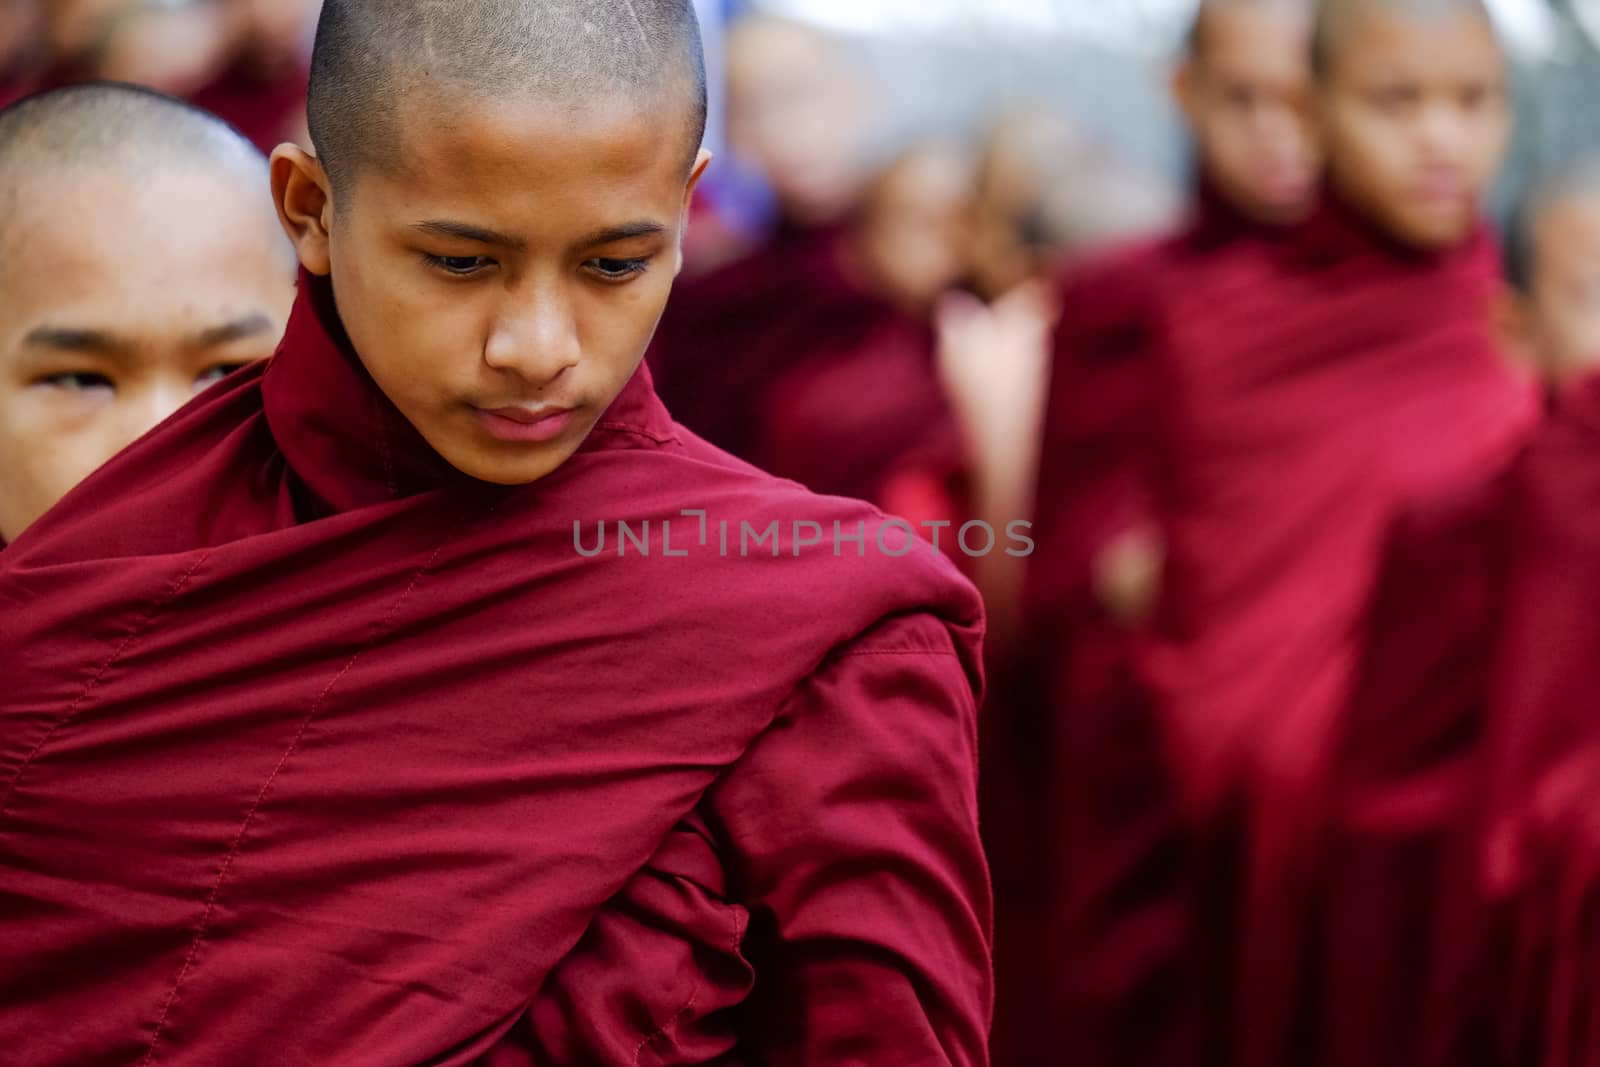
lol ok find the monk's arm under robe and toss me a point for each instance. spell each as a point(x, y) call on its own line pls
point(850, 831)
point(657, 979)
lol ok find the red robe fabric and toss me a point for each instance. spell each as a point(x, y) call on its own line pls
point(313, 750)
point(1311, 392)
point(1404, 781)
point(268, 109)
point(728, 334)
point(850, 415)
point(1104, 893)
point(1528, 990)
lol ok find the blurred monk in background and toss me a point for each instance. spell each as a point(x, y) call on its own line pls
point(1318, 397)
point(1094, 849)
point(797, 112)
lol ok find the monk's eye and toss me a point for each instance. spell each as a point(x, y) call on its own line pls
point(212, 375)
point(618, 270)
point(1396, 97)
point(1474, 97)
point(1240, 98)
point(78, 382)
point(460, 266)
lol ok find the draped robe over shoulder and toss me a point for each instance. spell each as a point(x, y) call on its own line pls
point(1313, 392)
point(314, 750)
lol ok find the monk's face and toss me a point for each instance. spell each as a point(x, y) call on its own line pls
point(914, 231)
point(1417, 117)
point(502, 279)
point(1245, 95)
point(1564, 287)
point(797, 113)
point(119, 301)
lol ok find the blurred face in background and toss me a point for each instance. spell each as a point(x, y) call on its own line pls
point(277, 34)
point(1244, 92)
point(20, 24)
point(797, 112)
point(1416, 115)
point(912, 235)
point(1563, 299)
point(175, 49)
point(119, 302)
point(1028, 158)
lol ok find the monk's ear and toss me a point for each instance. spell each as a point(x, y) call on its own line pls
point(1186, 88)
point(301, 193)
point(700, 163)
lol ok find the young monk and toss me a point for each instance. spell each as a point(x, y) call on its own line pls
point(1317, 392)
point(143, 262)
point(1113, 903)
point(329, 733)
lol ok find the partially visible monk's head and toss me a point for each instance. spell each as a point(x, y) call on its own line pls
point(499, 193)
point(798, 112)
point(140, 261)
point(913, 225)
point(1414, 102)
point(1244, 87)
point(1558, 261)
point(1049, 192)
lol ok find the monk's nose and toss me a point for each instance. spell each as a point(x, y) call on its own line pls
point(535, 338)
point(149, 405)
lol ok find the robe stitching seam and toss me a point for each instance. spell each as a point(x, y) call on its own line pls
point(82, 698)
point(740, 917)
point(941, 652)
point(668, 1025)
point(266, 788)
point(620, 427)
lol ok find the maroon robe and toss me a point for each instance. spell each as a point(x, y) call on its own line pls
point(1404, 778)
point(728, 334)
point(1104, 894)
point(1528, 991)
point(268, 108)
point(852, 414)
point(314, 750)
point(1311, 394)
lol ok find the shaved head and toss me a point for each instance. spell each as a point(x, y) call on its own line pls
point(120, 129)
point(1206, 15)
point(372, 56)
point(1337, 18)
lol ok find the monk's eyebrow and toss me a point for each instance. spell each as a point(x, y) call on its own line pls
point(624, 232)
point(237, 330)
point(68, 339)
point(468, 232)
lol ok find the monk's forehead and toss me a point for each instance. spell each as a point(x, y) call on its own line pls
point(1214, 17)
point(99, 221)
point(495, 147)
point(1341, 22)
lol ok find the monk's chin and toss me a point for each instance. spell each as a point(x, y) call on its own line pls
point(510, 465)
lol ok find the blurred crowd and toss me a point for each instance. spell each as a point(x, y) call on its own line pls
point(963, 330)
point(245, 60)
